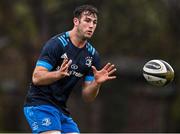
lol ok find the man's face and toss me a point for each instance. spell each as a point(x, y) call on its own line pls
point(87, 25)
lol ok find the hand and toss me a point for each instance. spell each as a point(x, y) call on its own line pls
point(104, 74)
point(63, 71)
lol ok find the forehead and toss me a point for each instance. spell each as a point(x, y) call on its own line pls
point(88, 14)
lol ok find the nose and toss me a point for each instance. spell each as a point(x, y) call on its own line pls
point(91, 25)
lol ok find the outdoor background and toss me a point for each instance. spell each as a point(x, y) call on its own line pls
point(129, 33)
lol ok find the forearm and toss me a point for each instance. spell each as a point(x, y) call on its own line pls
point(91, 91)
point(44, 78)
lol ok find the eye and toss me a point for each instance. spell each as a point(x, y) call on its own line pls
point(95, 22)
point(88, 20)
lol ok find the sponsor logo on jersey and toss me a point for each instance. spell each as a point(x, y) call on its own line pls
point(77, 74)
point(73, 72)
point(74, 66)
point(88, 61)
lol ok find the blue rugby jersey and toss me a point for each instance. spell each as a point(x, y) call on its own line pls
point(51, 57)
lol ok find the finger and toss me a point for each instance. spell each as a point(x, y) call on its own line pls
point(110, 68)
point(107, 66)
point(94, 69)
point(66, 65)
point(66, 74)
point(64, 62)
point(112, 71)
point(69, 63)
point(112, 77)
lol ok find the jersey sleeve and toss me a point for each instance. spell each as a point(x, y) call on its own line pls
point(96, 62)
point(50, 54)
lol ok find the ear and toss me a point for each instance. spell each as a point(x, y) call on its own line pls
point(76, 21)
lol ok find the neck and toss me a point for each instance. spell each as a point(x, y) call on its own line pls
point(76, 39)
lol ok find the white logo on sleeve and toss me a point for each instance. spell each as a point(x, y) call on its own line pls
point(46, 122)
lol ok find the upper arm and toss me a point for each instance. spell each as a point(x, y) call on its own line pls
point(50, 55)
point(38, 72)
point(39, 69)
point(48, 59)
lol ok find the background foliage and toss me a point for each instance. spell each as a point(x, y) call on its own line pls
point(129, 33)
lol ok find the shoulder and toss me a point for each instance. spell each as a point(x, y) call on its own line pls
point(91, 49)
point(93, 57)
point(59, 40)
point(62, 38)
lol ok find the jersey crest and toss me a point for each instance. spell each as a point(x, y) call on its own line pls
point(88, 61)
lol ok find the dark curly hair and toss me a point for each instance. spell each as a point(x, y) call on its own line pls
point(85, 8)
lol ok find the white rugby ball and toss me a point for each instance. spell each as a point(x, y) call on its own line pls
point(158, 72)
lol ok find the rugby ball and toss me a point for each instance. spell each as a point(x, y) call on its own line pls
point(158, 72)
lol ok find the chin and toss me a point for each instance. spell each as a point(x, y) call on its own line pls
point(88, 36)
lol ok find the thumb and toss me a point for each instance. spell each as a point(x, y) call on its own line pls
point(94, 69)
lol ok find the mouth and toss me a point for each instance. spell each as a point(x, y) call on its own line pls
point(89, 32)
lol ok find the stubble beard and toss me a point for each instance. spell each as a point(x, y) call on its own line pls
point(82, 35)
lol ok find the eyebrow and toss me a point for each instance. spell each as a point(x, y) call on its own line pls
point(87, 17)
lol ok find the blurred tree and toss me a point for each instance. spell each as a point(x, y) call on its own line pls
point(142, 29)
